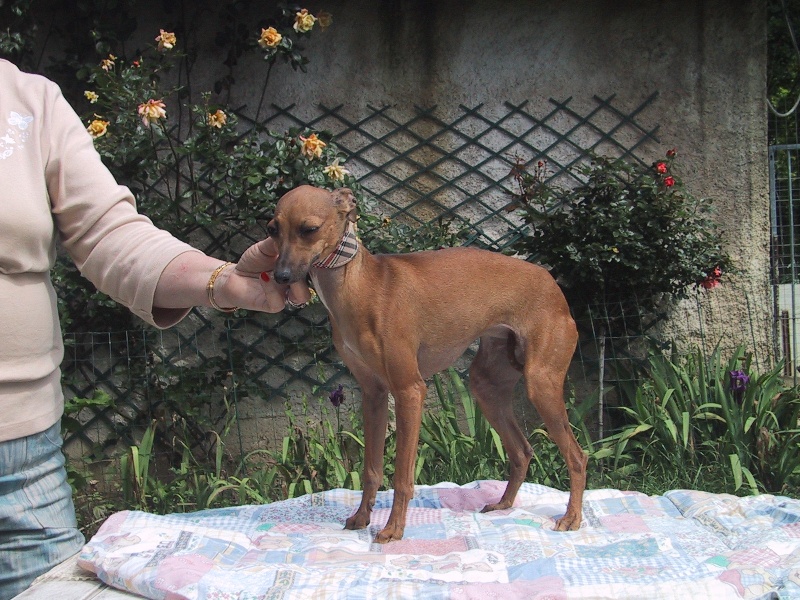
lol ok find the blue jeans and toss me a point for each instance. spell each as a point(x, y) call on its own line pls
point(38, 529)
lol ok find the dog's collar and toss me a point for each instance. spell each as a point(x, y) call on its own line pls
point(345, 251)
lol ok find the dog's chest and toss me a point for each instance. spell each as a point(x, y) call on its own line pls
point(350, 331)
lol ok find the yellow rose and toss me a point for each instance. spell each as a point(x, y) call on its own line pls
point(108, 63)
point(97, 128)
point(312, 146)
point(270, 38)
point(335, 172)
point(166, 40)
point(304, 21)
point(152, 110)
point(217, 119)
point(91, 96)
point(325, 20)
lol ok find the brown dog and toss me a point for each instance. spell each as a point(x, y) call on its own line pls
point(398, 319)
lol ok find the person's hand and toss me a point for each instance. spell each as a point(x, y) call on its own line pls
point(256, 265)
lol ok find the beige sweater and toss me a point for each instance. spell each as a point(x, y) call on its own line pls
point(54, 185)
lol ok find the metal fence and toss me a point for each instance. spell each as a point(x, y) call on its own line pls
point(784, 208)
point(422, 165)
point(784, 171)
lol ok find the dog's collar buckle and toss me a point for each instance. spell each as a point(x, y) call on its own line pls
point(344, 252)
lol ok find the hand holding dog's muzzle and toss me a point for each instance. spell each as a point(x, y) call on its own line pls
point(258, 258)
point(258, 262)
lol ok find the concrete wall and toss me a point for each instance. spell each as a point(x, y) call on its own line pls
point(706, 60)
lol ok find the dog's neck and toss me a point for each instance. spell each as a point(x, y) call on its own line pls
point(345, 263)
point(345, 251)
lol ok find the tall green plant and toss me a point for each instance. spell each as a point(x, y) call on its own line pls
point(704, 411)
point(198, 172)
point(319, 453)
point(762, 415)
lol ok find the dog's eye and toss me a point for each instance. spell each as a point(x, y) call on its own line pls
point(272, 230)
point(308, 230)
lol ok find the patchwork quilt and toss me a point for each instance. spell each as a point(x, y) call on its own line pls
point(684, 544)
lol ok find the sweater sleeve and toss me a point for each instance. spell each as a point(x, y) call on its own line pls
point(119, 250)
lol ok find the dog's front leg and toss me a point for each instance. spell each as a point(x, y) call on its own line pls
point(409, 402)
point(375, 409)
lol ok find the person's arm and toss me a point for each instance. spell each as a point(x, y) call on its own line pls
point(248, 284)
point(158, 277)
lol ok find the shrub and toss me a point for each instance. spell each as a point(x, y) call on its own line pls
point(626, 237)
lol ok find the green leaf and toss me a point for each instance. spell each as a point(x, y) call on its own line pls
point(736, 469)
point(686, 424)
point(751, 482)
point(632, 432)
point(498, 444)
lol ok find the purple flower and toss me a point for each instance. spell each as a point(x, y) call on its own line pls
point(337, 396)
point(739, 381)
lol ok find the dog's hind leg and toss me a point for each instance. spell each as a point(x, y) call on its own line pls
point(545, 371)
point(492, 377)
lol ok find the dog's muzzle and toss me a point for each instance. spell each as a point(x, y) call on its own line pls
point(283, 276)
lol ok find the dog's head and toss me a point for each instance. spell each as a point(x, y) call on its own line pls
point(308, 224)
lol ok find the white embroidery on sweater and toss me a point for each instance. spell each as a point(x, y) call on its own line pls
point(15, 135)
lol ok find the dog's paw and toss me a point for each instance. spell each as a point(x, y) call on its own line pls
point(568, 523)
point(357, 521)
point(389, 534)
point(499, 506)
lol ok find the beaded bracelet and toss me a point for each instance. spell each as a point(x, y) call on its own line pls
point(210, 289)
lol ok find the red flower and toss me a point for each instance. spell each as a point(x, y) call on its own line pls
point(669, 181)
point(671, 153)
point(712, 280)
point(661, 167)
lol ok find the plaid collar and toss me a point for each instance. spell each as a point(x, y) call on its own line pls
point(345, 251)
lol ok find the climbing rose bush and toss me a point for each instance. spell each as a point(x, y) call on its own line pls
point(189, 164)
point(628, 236)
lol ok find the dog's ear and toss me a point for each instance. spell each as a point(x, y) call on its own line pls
point(345, 201)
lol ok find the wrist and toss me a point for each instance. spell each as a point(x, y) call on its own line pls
point(214, 288)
